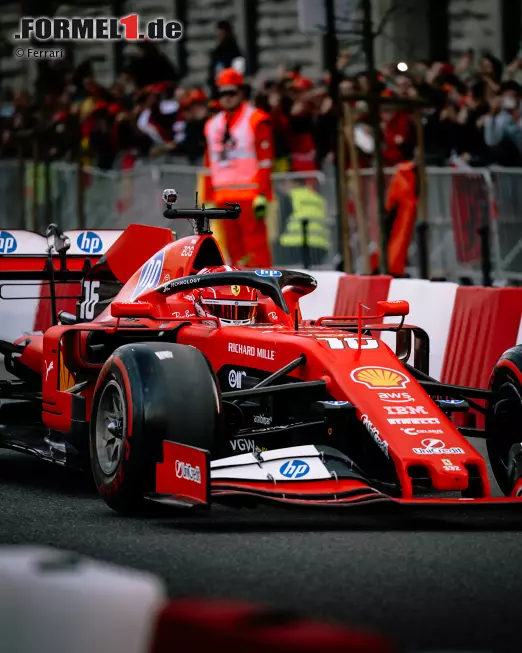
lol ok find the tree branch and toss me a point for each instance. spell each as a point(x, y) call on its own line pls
point(387, 15)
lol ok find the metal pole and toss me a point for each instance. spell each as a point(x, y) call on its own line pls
point(332, 55)
point(21, 183)
point(357, 190)
point(305, 248)
point(484, 233)
point(422, 224)
point(47, 183)
point(36, 166)
point(375, 121)
point(80, 218)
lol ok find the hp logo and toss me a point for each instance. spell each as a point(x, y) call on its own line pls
point(268, 273)
point(7, 243)
point(294, 469)
point(89, 242)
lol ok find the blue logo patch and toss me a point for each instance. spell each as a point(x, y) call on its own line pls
point(335, 403)
point(294, 469)
point(150, 274)
point(269, 273)
point(453, 401)
point(7, 243)
point(89, 242)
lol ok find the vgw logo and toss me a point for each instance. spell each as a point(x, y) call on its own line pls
point(89, 242)
point(7, 243)
point(294, 469)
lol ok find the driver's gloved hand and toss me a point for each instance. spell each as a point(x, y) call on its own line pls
point(260, 207)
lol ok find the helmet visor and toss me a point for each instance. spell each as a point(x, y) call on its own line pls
point(233, 311)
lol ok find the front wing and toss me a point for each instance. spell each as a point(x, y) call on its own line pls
point(298, 476)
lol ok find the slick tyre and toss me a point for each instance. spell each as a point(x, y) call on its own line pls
point(147, 393)
point(504, 420)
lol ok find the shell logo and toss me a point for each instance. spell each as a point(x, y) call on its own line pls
point(235, 290)
point(379, 378)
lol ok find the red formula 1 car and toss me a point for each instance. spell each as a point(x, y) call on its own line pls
point(186, 381)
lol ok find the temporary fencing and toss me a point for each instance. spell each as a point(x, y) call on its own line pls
point(471, 213)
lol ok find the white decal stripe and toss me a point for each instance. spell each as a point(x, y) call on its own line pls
point(276, 454)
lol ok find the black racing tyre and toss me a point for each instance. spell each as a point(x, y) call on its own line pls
point(147, 393)
point(504, 420)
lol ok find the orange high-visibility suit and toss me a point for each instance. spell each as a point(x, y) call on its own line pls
point(401, 205)
point(239, 157)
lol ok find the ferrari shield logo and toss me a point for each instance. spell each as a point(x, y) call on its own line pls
point(235, 290)
point(379, 378)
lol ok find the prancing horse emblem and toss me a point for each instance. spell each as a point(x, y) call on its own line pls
point(235, 290)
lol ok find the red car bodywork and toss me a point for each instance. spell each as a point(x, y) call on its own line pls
point(406, 423)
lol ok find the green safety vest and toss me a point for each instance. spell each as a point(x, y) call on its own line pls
point(40, 182)
point(306, 205)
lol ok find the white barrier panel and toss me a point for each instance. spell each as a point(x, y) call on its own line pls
point(17, 316)
point(85, 242)
point(519, 335)
point(57, 602)
point(18, 242)
point(322, 300)
point(431, 308)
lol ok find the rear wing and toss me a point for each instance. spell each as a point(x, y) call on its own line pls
point(43, 274)
point(26, 255)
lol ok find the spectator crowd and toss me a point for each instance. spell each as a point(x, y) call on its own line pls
point(471, 113)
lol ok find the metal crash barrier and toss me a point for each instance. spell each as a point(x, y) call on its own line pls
point(474, 216)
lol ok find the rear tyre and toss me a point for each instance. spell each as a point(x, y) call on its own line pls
point(148, 393)
point(504, 420)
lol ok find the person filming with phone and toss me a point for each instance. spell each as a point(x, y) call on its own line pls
point(502, 129)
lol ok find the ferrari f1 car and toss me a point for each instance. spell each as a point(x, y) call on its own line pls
point(182, 380)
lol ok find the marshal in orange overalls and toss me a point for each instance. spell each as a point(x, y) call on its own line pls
point(239, 158)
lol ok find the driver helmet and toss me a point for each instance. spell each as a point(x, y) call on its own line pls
point(232, 305)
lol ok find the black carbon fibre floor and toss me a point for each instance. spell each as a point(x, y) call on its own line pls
point(432, 580)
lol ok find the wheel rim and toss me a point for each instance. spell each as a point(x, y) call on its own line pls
point(507, 414)
point(111, 428)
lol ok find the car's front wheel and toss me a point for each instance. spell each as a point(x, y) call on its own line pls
point(504, 420)
point(148, 393)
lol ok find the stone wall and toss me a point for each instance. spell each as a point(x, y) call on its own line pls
point(279, 39)
point(200, 34)
point(475, 24)
point(14, 71)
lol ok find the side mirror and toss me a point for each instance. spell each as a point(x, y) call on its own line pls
point(398, 308)
point(132, 309)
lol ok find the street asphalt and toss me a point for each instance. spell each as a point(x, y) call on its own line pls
point(433, 580)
